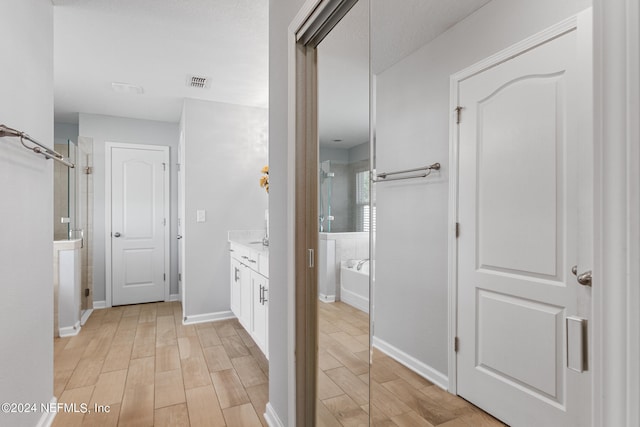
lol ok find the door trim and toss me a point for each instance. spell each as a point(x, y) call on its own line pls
point(616, 329)
point(550, 33)
point(107, 215)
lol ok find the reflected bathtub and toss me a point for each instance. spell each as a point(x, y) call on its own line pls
point(354, 283)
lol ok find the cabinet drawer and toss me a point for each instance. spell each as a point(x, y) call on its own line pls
point(239, 252)
point(251, 260)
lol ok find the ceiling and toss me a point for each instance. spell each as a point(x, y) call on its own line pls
point(343, 57)
point(343, 81)
point(156, 44)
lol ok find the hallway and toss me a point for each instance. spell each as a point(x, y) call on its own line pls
point(148, 369)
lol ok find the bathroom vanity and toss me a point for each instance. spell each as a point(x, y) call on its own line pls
point(249, 281)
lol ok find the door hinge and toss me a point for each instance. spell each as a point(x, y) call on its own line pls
point(164, 277)
point(456, 344)
point(164, 221)
point(86, 292)
point(164, 166)
point(178, 165)
point(457, 230)
point(88, 170)
point(179, 277)
point(458, 110)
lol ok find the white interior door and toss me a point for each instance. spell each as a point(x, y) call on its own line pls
point(139, 223)
point(524, 124)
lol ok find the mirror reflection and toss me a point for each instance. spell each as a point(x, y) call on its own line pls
point(417, 377)
point(343, 222)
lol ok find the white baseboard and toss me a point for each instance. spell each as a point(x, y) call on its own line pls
point(70, 331)
point(327, 298)
point(97, 305)
point(208, 317)
point(271, 417)
point(354, 300)
point(85, 316)
point(46, 420)
point(175, 297)
point(412, 363)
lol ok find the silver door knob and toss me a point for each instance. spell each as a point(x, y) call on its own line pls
point(584, 279)
point(179, 236)
point(116, 234)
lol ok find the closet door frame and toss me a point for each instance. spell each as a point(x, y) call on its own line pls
point(314, 21)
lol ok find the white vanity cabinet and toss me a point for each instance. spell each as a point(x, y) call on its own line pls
point(249, 290)
point(236, 278)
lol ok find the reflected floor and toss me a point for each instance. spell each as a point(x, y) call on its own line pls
point(399, 396)
point(343, 365)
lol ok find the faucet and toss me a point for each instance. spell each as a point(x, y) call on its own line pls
point(359, 266)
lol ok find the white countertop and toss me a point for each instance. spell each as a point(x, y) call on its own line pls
point(251, 239)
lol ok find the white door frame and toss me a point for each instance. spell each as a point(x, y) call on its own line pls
point(616, 304)
point(181, 221)
point(107, 215)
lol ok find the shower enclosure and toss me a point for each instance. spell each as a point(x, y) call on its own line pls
point(72, 218)
point(325, 218)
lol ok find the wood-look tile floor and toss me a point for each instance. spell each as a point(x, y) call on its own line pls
point(399, 396)
point(149, 369)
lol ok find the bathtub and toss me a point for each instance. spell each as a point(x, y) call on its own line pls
point(354, 284)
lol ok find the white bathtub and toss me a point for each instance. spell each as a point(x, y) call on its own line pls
point(354, 284)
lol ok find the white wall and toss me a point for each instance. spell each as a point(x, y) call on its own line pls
point(359, 152)
point(118, 129)
point(413, 102)
point(338, 155)
point(26, 185)
point(281, 13)
point(225, 148)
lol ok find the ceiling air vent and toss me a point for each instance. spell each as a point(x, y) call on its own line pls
point(199, 82)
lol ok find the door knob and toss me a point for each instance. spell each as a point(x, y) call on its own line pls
point(584, 279)
point(116, 234)
point(179, 236)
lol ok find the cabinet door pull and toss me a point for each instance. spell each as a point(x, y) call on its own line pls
point(264, 298)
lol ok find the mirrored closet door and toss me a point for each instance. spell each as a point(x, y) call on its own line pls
point(343, 221)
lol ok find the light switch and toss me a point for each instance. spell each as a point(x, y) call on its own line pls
point(201, 215)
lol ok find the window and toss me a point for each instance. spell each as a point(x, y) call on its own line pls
point(363, 215)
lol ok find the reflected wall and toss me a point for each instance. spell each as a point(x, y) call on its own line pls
point(416, 46)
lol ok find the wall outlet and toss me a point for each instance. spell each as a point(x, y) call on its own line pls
point(201, 215)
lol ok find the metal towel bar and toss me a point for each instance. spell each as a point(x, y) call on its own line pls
point(383, 176)
point(6, 131)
